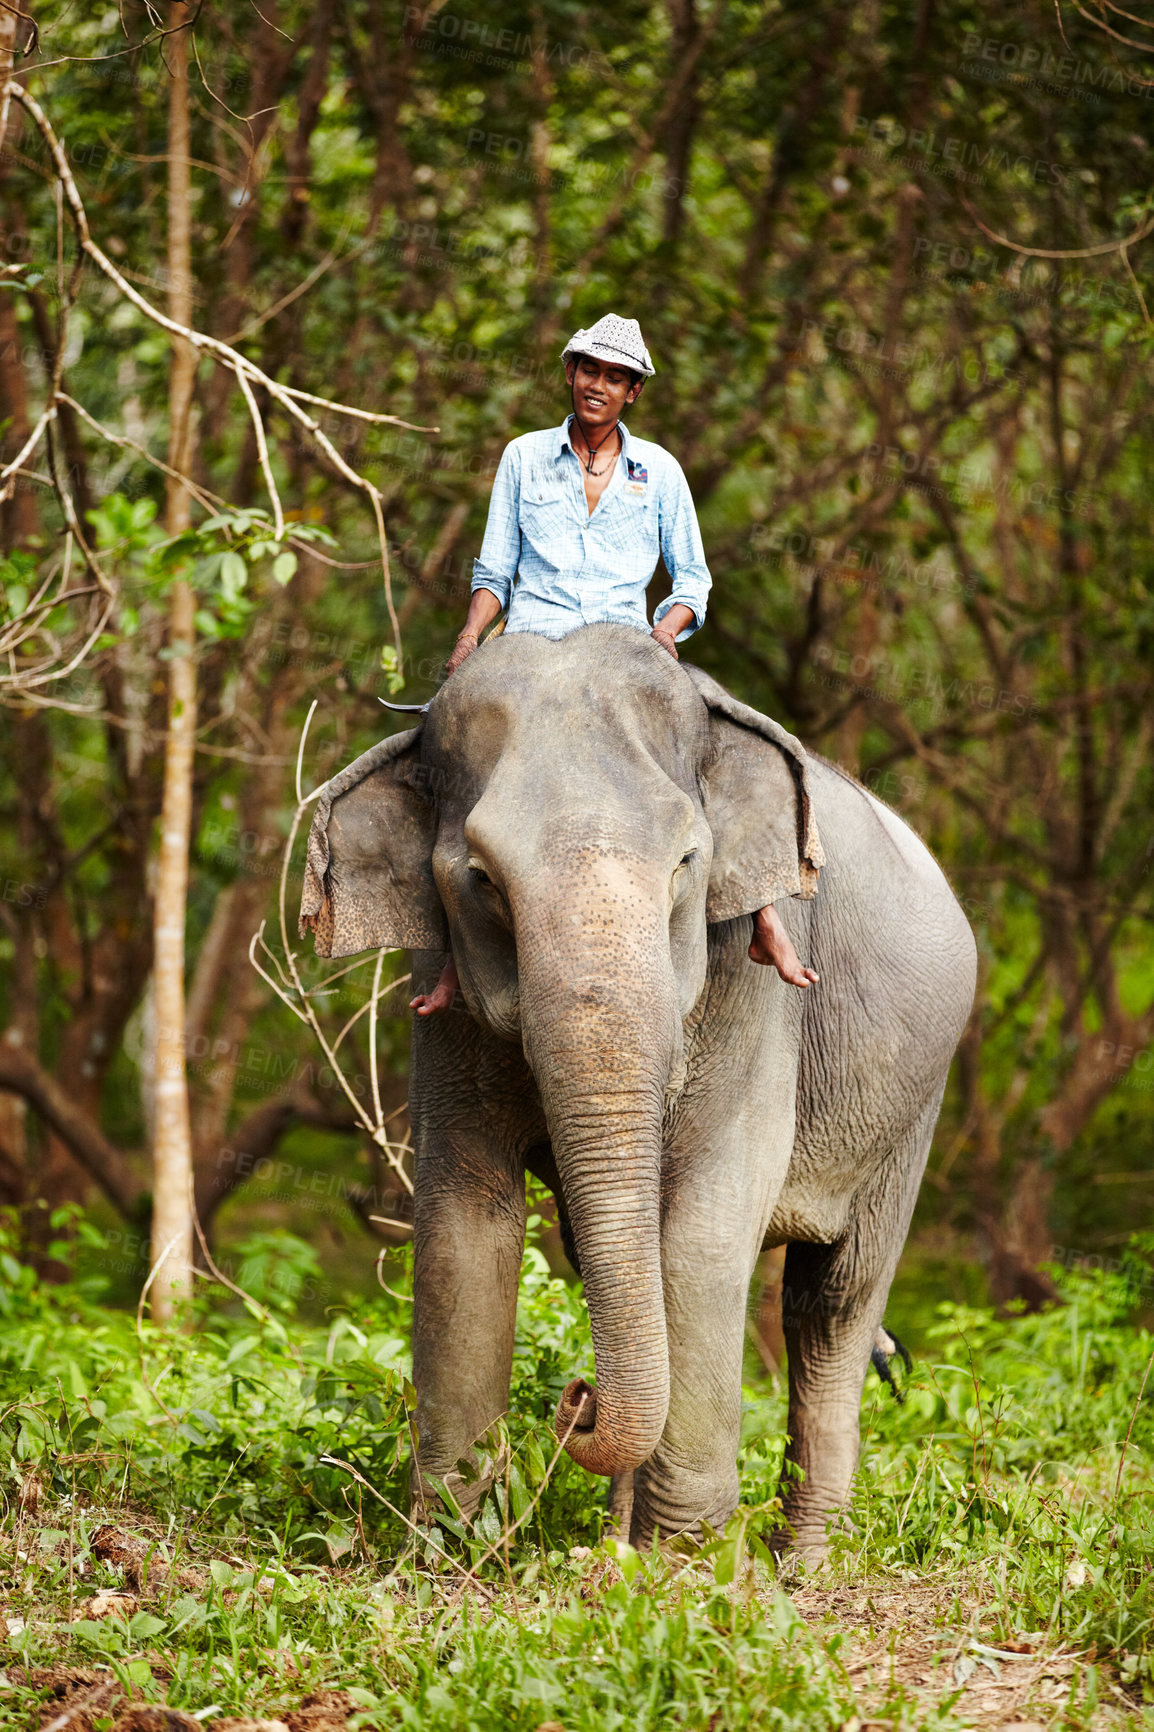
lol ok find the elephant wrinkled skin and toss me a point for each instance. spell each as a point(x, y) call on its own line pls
point(591, 825)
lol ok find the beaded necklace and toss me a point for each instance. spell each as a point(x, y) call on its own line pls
point(595, 450)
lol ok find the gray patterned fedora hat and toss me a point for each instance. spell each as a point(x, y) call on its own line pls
point(617, 342)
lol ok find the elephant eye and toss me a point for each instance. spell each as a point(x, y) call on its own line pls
point(490, 900)
point(686, 858)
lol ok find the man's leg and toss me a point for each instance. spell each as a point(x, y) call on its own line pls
point(772, 944)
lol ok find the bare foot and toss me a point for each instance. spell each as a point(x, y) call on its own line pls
point(772, 944)
point(442, 995)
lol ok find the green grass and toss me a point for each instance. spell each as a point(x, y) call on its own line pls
point(265, 1572)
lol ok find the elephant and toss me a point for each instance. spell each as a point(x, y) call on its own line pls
point(590, 823)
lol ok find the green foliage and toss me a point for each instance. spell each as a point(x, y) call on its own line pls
point(900, 548)
point(389, 668)
point(277, 1268)
point(218, 556)
point(17, 572)
point(1005, 1452)
point(851, 585)
point(246, 1411)
point(1000, 1466)
point(625, 1662)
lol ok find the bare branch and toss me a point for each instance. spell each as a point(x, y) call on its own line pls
point(358, 414)
point(209, 502)
point(9, 473)
point(247, 372)
point(22, 1073)
point(262, 453)
point(302, 288)
point(1140, 233)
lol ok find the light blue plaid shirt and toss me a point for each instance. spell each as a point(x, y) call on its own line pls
point(574, 567)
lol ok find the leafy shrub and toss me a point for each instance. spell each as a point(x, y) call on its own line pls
point(1005, 1454)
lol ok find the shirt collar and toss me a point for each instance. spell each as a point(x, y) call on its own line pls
point(562, 439)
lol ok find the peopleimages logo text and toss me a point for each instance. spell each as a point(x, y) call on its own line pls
point(1031, 62)
point(957, 153)
point(475, 35)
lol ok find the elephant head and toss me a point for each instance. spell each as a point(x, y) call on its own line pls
point(572, 815)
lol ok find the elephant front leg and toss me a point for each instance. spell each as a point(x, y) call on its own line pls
point(469, 1231)
point(475, 1113)
point(691, 1477)
point(716, 1210)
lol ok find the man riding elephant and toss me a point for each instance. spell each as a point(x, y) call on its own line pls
point(577, 519)
point(593, 833)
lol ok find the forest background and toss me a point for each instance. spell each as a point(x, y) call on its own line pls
point(891, 265)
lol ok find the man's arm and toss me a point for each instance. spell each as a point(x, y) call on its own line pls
point(496, 566)
point(483, 610)
point(684, 556)
point(677, 619)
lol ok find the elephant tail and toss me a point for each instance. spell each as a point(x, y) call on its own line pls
point(886, 1345)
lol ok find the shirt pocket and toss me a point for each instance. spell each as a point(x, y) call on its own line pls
point(631, 525)
point(544, 518)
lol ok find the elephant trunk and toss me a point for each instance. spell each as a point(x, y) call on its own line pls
point(602, 1035)
point(616, 1423)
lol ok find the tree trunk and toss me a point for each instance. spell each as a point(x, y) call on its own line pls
point(867, 631)
point(24, 929)
point(172, 1147)
point(19, 518)
point(678, 140)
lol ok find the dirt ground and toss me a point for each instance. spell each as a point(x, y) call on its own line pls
point(81, 1698)
point(927, 1635)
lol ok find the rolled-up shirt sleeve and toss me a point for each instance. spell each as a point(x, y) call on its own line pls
point(496, 566)
point(682, 551)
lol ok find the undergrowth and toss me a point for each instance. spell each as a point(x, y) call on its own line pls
point(262, 1464)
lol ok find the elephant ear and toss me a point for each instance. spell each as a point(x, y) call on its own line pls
point(757, 800)
point(369, 872)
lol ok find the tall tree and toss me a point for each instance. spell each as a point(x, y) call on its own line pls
point(172, 1232)
point(919, 459)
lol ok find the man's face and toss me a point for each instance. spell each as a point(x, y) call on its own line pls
point(600, 391)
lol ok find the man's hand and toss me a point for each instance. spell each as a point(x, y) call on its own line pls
point(675, 619)
point(465, 645)
point(484, 607)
